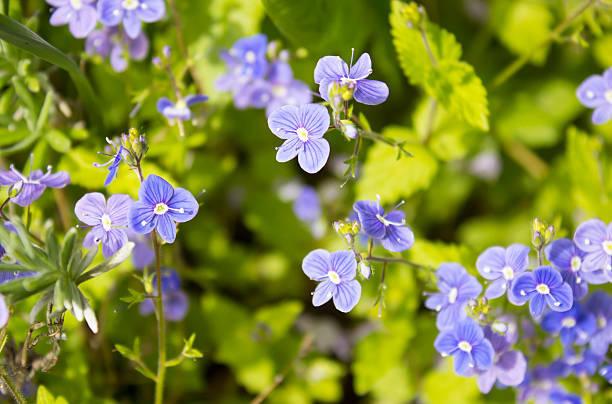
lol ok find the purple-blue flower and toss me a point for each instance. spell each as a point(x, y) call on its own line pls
point(180, 110)
point(30, 188)
point(246, 60)
point(390, 228)
point(596, 92)
point(567, 257)
point(600, 304)
point(114, 42)
point(307, 206)
point(174, 300)
point(456, 287)
point(4, 312)
point(160, 206)
point(302, 127)
point(595, 239)
point(107, 220)
point(500, 266)
point(6, 276)
point(336, 271)
point(131, 13)
point(606, 372)
point(574, 326)
point(466, 343)
point(143, 254)
point(115, 159)
point(544, 286)
point(80, 15)
point(332, 69)
point(583, 363)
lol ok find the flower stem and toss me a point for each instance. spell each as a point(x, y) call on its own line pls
point(161, 327)
point(10, 385)
point(387, 260)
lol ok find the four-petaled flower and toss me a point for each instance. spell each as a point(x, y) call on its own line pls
point(160, 206)
point(466, 343)
point(544, 286)
point(568, 258)
point(303, 128)
point(180, 110)
point(595, 239)
point(456, 288)
point(390, 228)
point(131, 13)
point(596, 92)
point(30, 188)
point(574, 326)
point(246, 60)
point(332, 69)
point(336, 272)
point(174, 300)
point(114, 161)
point(501, 265)
point(114, 42)
point(107, 220)
point(80, 15)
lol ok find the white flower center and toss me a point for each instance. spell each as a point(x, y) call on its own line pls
point(607, 246)
point(452, 295)
point(180, 104)
point(576, 263)
point(608, 96)
point(76, 4)
point(334, 277)
point(106, 222)
point(465, 346)
point(568, 322)
point(160, 208)
point(590, 94)
point(508, 273)
point(302, 134)
point(543, 289)
point(130, 4)
point(279, 91)
point(602, 322)
point(250, 57)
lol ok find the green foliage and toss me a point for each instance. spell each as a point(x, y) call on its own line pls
point(43, 396)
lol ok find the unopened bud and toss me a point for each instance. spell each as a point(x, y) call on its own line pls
point(365, 270)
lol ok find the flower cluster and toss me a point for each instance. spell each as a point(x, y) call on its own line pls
point(483, 338)
point(260, 77)
point(596, 92)
point(114, 44)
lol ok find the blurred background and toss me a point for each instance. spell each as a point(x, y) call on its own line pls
point(240, 258)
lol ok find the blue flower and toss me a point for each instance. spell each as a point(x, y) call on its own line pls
point(574, 326)
point(600, 304)
point(606, 372)
point(563, 397)
point(114, 42)
point(467, 345)
point(180, 110)
point(568, 258)
point(336, 272)
point(80, 15)
point(302, 127)
point(131, 13)
point(30, 188)
point(596, 92)
point(307, 206)
point(160, 206)
point(246, 60)
point(114, 162)
point(390, 228)
point(174, 300)
point(595, 239)
point(143, 254)
point(501, 265)
point(544, 286)
point(456, 288)
point(332, 69)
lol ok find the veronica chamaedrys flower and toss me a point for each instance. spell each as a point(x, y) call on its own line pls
point(80, 15)
point(131, 13)
point(106, 220)
point(336, 271)
point(302, 127)
point(143, 254)
point(246, 60)
point(180, 110)
point(30, 188)
point(544, 286)
point(574, 326)
point(332, 69)
point(160, 206)
point(582, 362)
point(466, 343)
point(500, 266)
point(307, 206)
point(114, 42)
point(278, 88)
point(509, 366)
point(595, 239)
point(600, 304)
point(456, 287)
point(567, 257)
point(116, 157)
point(390, 228)
point(606, 372)
point(596, 92)
point(175, 301)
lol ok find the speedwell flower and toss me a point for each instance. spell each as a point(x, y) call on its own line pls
point(131, 13)
point(30, 188)
point(114, 42)
point(174, 300)
point(544, 286)
point(303, 128)
point(595, 239)
point(389, 228)
point(600, 304)
point(107, 220)
point(246, 60)
point(180, 110)
point(574, 326)
point(501, 265)
point(332, 69)
point(80, 15)
point(596, 92)
point(336, 272)
point(567, 257)
point(113, 163)
point(160, 206)
point(456, 288)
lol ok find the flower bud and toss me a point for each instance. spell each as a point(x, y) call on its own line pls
point(365, 270)
point(167, 52)
point(348, 129)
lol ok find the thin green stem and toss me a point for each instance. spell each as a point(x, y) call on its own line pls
point(161, 328)
point(518, 64)
point(10, 385)
point(383, 139)
point(394, 260)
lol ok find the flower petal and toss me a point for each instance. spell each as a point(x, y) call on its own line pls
point(58, 180)
point(450, 315)
point(331, 68)
point(563, 298)
point(118, 207)
point(113, 240)
point(551, 322)
point(110, 12)
point(486, 380)
point(370, 223)
point(347, 295)
point(316, 264)
point(523, 286)
point(166, 228)
point(591, 92)
point(83, 21)
point(289, 149)
point(164, 103)
point(61, 15)
point(315, 119)
point(94, 236)
point(491, 262)
point(590, 234)
point(362, 68)
point(141, 218)
point(496, 288)
point(371, 92)
point(461, 362)
point(512, 367)
point(398, 238)
point(560, 253)
point(176, 306)
point(344, 264)
point(9, 177)
point(154, 189)
point(313, 155)
point(517, 257)
point(483, 355)
point(150, 10)
point(324, 291)
point(29, 193)
point(446, 343)
point(183, 206)
point(284, 121)
point(537, 304)
point(139, 47)
point(602, 114)
point(131, 24)
point(90, 208)
point(194, 99)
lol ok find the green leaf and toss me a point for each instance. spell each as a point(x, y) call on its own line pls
point(117, 258)
point(279, 318)
point(393, 179)
point(43, 396)
point(68, 248)
point(52, 246)
point(58, 141)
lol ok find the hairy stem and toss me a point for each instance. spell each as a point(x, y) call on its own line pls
point(161, 327)
point(11, 387)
